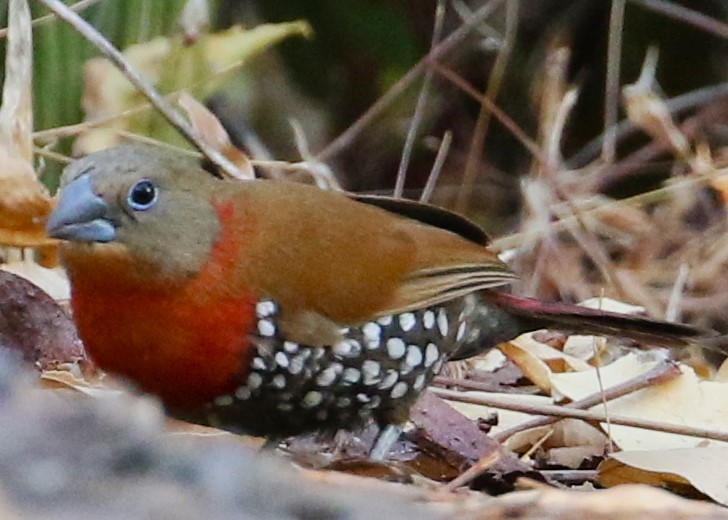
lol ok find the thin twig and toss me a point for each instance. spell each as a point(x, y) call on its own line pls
point(495, 81)
point(586, 415)
point(626, 128)
point(678, 288)
point(517, 239)
point(661, 373)
point(690, 127)
point(50, 154)
point(504, 118)
point(481, 466)
point(611, 90)
point(442, 151)
point(600, 380)
point(78, 7)
point(448, 44)
point(420, 106)
point(686, 15)
point(173, 116)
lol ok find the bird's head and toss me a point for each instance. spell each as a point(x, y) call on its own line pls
point(138, 203)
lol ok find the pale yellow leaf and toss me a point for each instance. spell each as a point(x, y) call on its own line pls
point(703, 468)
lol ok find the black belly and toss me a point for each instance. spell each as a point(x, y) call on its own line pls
point(376, 373)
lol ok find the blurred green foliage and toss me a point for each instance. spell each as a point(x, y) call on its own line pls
point(59, 54)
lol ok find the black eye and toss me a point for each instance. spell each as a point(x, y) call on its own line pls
point(142, 195)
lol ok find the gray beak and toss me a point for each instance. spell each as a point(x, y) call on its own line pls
point(81, 215)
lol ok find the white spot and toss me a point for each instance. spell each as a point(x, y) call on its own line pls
point(279, 381)
point(266, 328)
point(259, 363)
point(461, 331)
point(388, 380)
point(296, 364)
point(351, 375)
point(431, 354)
point(372, 372)
point(328, 375)
point(223, 400)
point(385, 321)
point(442, 322)
point(312, 398)
point(374, 403)
point(281, 359)
point(419, 383)
point(343, 402)
point(285, 407)
point(407, 321)
point(290, 347)
point(265, 308)
point(428, 319)
point(343, 348)
point(318, 353)
point(399, 390)
point(363, 398)
point(242, 393)
point(396, 348)
point(414, 356)
point(254, 380)
point(372, 335)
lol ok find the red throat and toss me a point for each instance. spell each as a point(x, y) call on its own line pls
point(186, 343)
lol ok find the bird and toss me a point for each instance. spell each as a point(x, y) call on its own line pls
point(277, 308)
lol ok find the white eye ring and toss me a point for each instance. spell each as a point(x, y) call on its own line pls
point(142, 195)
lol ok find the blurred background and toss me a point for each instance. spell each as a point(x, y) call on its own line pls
point(526, 55)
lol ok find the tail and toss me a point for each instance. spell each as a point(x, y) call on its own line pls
point(498, 317)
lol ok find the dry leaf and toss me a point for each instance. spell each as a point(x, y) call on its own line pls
point(24, 202)
point(577, 385)
point(702, 468)
point(537, 361)
point(52, 281)
point(210, 129)
point(195, 20)
point(683, 400)
point(101, 387)
point(34, 325)
point(648, 111)
point(170, 66)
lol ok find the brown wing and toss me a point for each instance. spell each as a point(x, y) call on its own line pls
point(350, 262)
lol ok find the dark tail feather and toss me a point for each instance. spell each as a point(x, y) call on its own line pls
point(537, 314)
point(497, 317)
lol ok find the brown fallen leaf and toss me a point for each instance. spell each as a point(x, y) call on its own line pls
point(459, 443)
point(34, 325)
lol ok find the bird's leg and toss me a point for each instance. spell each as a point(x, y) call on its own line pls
point(386, 438)
point(271, 444)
